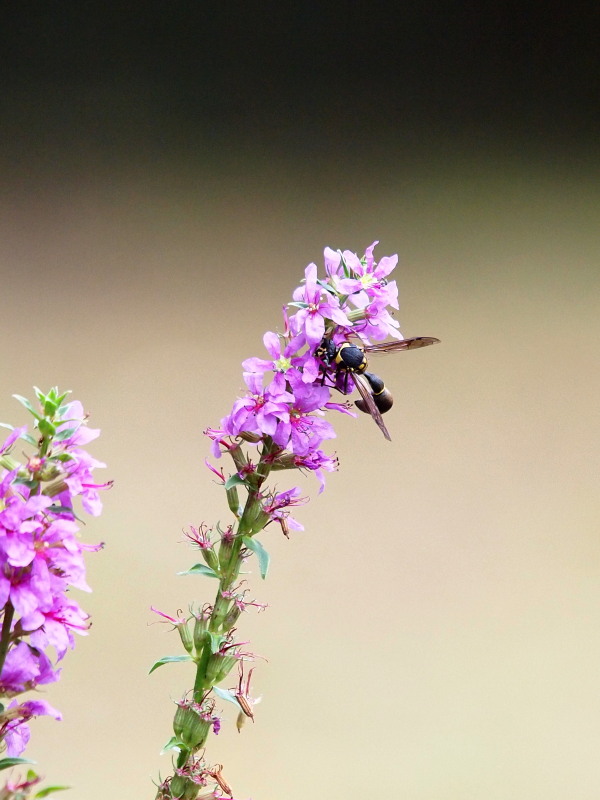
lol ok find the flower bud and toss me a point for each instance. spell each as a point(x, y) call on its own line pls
point(253, 438)
point(227, 664)
point(231, 617)
point(211, 558)
point(200, 629)
point(233, 500)
point(48, 472)
point(225, 549)
point(178, 786)
point(185, 635)
point(219, 666)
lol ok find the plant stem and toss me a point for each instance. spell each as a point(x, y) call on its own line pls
point(9, 612)
point(229, 573)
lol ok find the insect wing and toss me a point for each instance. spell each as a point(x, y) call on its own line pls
point(364, 389)
point(402, 344)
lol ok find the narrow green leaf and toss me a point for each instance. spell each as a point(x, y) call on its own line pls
point(25, 402)
point(6, 763)
point(200, 569)
point(234, 480)
point(173, 744)
point(64, 434)
point(263, 557)
point(325, 286)
point(169, 660)
point(50, 790)
point(224, 694)
point(27, 437)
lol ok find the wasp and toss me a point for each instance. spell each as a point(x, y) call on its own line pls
point(350, 361)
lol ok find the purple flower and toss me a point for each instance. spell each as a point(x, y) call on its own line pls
point(41, 556)
point(24, 668)
point(317, 305)
point(368, 280)
point(74, 420)
point(12, 438)
point(303, 431)
point(260, 411)
point(316, 461)
point(282, 356)
point(17, 731)
point(377, 324)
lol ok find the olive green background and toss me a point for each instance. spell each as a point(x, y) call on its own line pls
point(433, 634)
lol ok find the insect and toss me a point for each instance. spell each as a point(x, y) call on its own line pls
point(350, 360)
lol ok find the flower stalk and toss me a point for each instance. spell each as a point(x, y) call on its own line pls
point(41, 558)
point(329, 326)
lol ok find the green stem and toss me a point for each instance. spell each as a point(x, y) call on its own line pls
point(229, 573)
point(9, 612)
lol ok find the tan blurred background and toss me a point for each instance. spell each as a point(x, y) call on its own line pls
point(433, 634)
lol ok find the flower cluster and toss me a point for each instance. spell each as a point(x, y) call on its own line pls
point(278, 424)
point(290, 392)
point(41, 556)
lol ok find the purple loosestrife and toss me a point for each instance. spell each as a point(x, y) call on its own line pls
point(41, 556)
point(278, 424)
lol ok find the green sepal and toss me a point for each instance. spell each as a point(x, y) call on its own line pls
point(224, 694)
point(50, 790)
point(25, 402)
point(216, 640)
point(260, 552)
point(169, 660)
point(200, 569)
point(298, 304)
point(234, 480)
point(7, 763)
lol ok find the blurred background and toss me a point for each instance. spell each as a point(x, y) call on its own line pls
point(167, 174)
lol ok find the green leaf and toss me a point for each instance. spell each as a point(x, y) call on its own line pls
point(326, 286)
point(169, 660)
point(234, 480)
point(200, 569)
point(50, 407)
point(58, 509)
point(46, 428)
point(6, 763)
point(262, 555)
point(225, 694)
point(173, 744)
point(25, 402)
point(64, 434)
point(298, 304)
point(50, 790)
